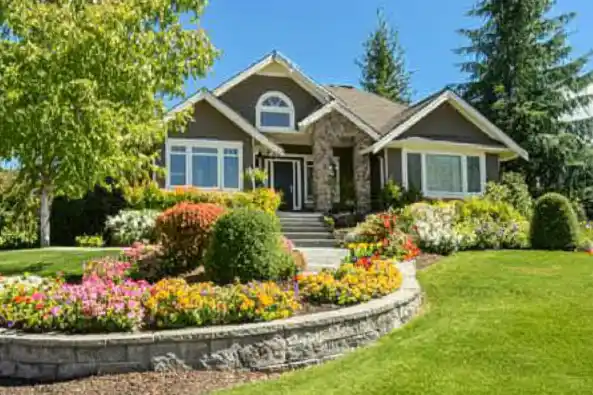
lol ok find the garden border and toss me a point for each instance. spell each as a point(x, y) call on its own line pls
point(270, 346)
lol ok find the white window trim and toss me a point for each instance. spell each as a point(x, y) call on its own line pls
point(281, 110)
point(198, 143)
point(441, 194)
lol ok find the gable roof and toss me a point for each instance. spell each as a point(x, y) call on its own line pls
point(408, 118)
point(373, 109)
point(346, 112)
point(306, 82)
point(231, 115)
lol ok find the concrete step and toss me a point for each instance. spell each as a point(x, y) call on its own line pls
point(298, 214)
point(315, 243)
point(294, 236)
point(305, 228)
point(303, 220)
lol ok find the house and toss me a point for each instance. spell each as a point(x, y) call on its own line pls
point(324, 144)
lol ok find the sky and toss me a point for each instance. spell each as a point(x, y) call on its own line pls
point(324, 37)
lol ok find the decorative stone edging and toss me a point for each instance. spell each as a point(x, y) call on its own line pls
point(269, 346)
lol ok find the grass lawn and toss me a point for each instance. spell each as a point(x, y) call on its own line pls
point(494, 323)
point(49, 261)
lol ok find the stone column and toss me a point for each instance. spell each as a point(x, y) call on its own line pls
point(362, 174)
point(322, 155)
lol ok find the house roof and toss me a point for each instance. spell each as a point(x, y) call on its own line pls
point(408, 118)
point(374, 110)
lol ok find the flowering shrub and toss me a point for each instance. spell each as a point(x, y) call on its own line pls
point(173, 303)
point(184, 232)
point(89, 241)
point(350, 284)
point(152, 197)
point(433, 228)
point(377, 227)
point(146, 260)
point(132, 225)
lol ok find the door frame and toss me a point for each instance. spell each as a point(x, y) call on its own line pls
point(297, 198)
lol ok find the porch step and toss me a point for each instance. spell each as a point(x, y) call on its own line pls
point(329, 243)
point(307, 235)
point(298, 228)
point(298, 214)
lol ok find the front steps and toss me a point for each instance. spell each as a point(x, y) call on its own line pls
point(306, 229)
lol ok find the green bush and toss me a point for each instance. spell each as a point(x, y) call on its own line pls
point(481, 210)
point(554, 224)
point(246, 245)
point(89, 241)
point(513, 190)
point(391, 195)
point(152, 197)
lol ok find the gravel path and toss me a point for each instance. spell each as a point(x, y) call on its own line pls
point(151, 383)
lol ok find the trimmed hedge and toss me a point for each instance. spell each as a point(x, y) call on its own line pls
point(152, 197)
point(554, 225)
point(247, 245)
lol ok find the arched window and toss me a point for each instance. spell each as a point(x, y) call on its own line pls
point(274, 111)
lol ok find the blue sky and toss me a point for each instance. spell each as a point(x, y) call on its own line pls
point(325, 36)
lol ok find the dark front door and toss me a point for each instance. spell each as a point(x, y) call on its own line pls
point(284, 182)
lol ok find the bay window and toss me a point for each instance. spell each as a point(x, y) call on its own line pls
point(442, 175)
point(204, 164)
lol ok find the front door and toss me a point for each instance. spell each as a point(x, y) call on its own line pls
point(284, 181)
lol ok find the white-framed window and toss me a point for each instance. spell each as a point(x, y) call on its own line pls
point(274, 112)
point(309, 169)
point(444, 174)
point(205, 164)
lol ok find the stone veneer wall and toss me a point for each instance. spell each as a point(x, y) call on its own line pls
point(270, 346)
point(329, 131)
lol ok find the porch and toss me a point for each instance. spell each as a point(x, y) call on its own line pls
point(324, 168)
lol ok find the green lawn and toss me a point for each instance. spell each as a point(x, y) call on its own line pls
point(49, 261)
point(494, 323)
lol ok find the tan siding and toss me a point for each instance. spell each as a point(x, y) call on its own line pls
point(447, 124)
point(243, 97)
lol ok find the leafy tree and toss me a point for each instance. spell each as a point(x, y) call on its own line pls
point(523, 77)
point(383, 65)
point(82, 85)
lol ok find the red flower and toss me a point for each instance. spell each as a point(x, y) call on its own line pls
point(39, 306)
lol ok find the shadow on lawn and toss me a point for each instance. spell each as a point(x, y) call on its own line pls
point(37, 268)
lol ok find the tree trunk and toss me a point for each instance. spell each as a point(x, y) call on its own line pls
point(45, 212)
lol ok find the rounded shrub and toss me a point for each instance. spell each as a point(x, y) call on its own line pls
point(184, 232)
point(247, 245)
point(554, 225)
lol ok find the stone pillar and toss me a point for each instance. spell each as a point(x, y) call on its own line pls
point(322, 156)
point(362, 174)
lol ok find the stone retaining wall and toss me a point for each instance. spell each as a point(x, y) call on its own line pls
point(271, 346)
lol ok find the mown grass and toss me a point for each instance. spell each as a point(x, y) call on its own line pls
point(49, 261)
point(505, 322)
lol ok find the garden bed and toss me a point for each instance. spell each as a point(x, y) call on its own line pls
point(267, 346)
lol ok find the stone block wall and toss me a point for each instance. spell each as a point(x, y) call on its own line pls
point(270, 346)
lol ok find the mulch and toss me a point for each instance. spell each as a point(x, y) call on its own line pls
point(149, 383)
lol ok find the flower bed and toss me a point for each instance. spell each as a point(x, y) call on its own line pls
point(269, 346)
point(108, 300)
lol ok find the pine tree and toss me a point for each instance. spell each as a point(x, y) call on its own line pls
point(523, 77)
point(383, 65)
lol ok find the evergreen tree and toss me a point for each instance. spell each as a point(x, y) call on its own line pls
point(523, 77)
point(383, 65)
